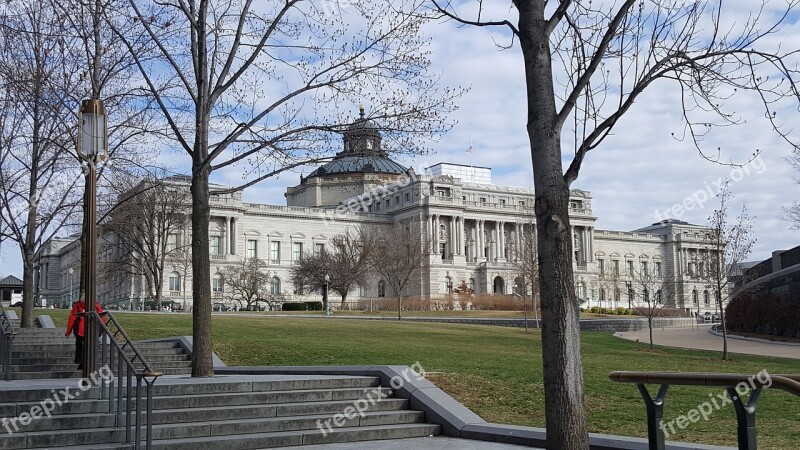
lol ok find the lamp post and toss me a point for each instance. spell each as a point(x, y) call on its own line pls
point(71, 272)
point(327, 300)
point(92, 149)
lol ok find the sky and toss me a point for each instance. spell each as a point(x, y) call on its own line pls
point(638, 176)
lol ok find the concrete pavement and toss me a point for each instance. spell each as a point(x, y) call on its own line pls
point(702, 339)
point(428, 443)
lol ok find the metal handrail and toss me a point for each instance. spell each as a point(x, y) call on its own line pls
point(7, 335)
point(125, 367)
point(745, 410)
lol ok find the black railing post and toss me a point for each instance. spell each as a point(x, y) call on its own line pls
point(655, 416)
point(138, 431)
point(149, 436)
point(745, 418)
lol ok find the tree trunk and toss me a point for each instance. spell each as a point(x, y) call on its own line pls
point(202, 363)
point(724, 327)
point(27, 288)
point(565, 415)
point(399, 306)
point(650, 325)
point(344, 301)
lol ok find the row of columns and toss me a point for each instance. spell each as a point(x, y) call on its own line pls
point(229, 236)
point(457, 237)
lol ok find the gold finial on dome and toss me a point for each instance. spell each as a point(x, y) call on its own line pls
point(361, 110)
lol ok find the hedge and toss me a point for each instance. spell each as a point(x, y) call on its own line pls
point(764, 313)
point(302, 306)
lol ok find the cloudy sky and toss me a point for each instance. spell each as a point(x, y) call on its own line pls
point(639, 172)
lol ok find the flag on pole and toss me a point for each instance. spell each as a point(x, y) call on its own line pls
point(469, 150)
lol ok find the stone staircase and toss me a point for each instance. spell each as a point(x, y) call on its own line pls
point(47, 353)
point(226, 412)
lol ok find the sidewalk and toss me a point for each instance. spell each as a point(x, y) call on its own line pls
point(702, 339)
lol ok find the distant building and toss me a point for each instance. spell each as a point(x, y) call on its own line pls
point(474, 228)
point(10, 290)
point(779, 275)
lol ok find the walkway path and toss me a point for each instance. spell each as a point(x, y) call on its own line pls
point(702, 339)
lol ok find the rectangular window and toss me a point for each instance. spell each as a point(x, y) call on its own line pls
point(644, 267)
point(275, 251)
point(397, 200)
point(213, 245)
point(252, 249)
point(297, 251)
point(601, 266)
point(483, 199)
point(502, 201)
point(378, 206)
point(388, 204)
point(616, 267)
point(172, 242)
point(658, 269)
point(319, 249)
point(408, 197)
point(216, 284)
point(631, 270)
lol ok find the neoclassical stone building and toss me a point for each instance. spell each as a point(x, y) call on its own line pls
point(473, 225)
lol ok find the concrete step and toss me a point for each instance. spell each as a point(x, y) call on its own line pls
point(220, 385)
point(65, 367)
point(301, 437)
point(69, 357)
point(67, 343)
point(48, 351)
point(10, 395)
point(271, 397)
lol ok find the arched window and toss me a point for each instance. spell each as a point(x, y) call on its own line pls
point(381, 288)
point(217, 285)
point(175, 282)
point(472, 285)
point(448, 285)
point(705, 297)
point(275, 286)
point(602, 294)
point(694, 296)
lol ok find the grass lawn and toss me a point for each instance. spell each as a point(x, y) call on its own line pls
point(495, 371)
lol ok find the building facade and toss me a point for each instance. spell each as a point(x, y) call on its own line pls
point(475, 230)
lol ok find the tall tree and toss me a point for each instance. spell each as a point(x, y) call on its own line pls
point(526, 267)
point(37, 186)
point(399, 253)
point(586, 64)
point(263, 85)
point(344, 261)
point(728, 243)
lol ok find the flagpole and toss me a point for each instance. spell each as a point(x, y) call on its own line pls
point(471, 168)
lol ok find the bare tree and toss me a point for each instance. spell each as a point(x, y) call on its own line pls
point(792, 213)
point(230, 94)
point(345, 263)
point(586, 64)
point(652, 291)
point(526, 267)
point(728, 243)
point(145, 231)
point(247, 283)
point(37, 186)
point(399, 252)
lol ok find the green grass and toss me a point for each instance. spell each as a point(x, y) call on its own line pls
point(495, 371)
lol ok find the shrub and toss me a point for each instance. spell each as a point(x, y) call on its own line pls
point(294, 306)
point(313, 306)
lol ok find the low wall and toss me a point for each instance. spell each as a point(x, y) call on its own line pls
point(610, 325)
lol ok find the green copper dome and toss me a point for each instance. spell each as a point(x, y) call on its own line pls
point(359, 164)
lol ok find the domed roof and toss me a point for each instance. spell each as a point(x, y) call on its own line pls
point(359, 164)
point(362, 124)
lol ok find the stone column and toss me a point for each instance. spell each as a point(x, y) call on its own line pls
point(233, 236)
point(479, 238)
point(225, 236)
point(462, 241)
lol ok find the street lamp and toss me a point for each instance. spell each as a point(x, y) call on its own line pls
point(92, 149)
point(327, 300)
point(71, 272)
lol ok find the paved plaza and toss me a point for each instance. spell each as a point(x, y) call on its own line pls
point(701, 339)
